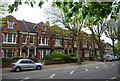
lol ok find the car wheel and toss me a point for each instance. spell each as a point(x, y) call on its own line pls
point(38, 67)
point(17, 69)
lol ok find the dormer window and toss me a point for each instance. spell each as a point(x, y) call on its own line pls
point(10, 24)
point(43, 30)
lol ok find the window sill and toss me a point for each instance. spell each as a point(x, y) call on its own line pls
point(43, 44)
point(8, 43)
point(57, 45)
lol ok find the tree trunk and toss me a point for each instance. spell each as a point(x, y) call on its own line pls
point(113, 42)
point(78, 50)
point(101, 50)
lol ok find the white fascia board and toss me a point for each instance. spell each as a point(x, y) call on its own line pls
point(24, 32)
point(32, 33)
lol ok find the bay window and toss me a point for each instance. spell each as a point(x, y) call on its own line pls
point(43, 40)
point(9, 53)
point(9, 38)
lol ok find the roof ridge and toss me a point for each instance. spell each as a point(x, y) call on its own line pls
point(25, 25)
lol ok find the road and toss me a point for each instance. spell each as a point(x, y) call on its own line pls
point(105, 70)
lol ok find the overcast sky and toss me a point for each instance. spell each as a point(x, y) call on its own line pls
point(30, 14)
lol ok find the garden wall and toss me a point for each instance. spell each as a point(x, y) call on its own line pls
point(5, 64)
point(47, 62)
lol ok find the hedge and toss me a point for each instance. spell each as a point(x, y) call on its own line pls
point(10, 58)
point(16, 58)
point(55, 56)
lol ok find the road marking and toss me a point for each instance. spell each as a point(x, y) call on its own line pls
point(113, 78)
point(71, 72)
point(52, 75)
point(97, 67)
point(25, 79)
point(86, 69)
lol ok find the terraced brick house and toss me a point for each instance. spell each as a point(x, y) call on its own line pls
point(26, 39)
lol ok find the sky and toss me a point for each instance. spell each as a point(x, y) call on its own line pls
point(36, 15)
point(30, 14)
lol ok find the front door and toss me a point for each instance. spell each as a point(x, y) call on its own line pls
point(31, 53)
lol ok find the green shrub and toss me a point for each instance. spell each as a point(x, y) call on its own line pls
point(70, 58)
point(48, 57)
point(57, 59)
point(72, 55)
point(6, 58)
point(10, 58)
point(73, 59)
point(54, 54)
point(16, 58)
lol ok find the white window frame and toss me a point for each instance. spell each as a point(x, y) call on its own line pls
point(96, 46)
point(25, 39)
point(65, 42)
point(41, 53)
point(33, 39)
point(7, 39)
point(87, 53)
point(9, 26)
point(12, 55)
point(57, 42)
point(42, 29)
point(85, 44)
point(45, 41)
point(75, 44)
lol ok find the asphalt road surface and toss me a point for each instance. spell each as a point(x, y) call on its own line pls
point(109, 71)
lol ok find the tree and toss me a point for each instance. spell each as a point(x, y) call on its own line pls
point(97, 32)
point(3, 9)
point(111, 32)
point(79, 11)
point(55, 29)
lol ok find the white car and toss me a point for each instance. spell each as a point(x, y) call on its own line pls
point(26, 64)
point(108, 57)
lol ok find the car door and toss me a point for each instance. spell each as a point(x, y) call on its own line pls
point(31, 64)
point(23, 64)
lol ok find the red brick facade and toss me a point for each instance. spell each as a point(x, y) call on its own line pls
point(33, 40)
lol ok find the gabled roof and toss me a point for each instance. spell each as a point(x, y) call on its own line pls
point(22, 26)
point(10, 16)
point(29, 26)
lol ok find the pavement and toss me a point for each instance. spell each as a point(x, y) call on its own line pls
point(6, 70)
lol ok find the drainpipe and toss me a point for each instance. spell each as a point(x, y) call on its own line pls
point(37, 49)
point(18, 42)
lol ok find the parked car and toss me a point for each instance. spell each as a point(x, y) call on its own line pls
point(25, 64)
point(118, 57)
point(115, 58)
point(108, 57)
